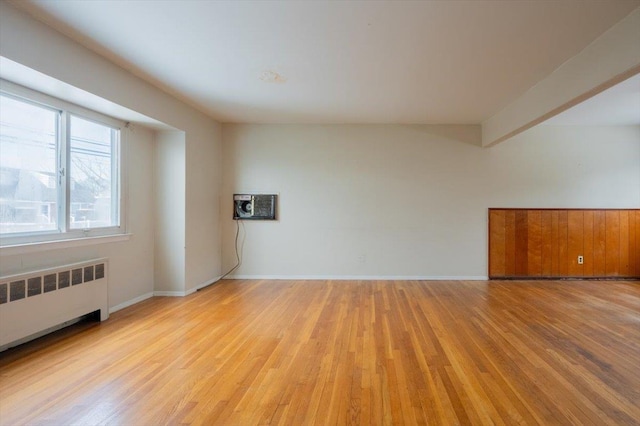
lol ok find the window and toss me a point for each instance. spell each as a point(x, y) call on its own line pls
point(60, 174)
point(93, 175)
point(28, 167)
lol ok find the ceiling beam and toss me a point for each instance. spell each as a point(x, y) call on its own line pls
point(611, 58)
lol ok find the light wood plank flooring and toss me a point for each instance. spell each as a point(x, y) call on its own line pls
point(342, 352)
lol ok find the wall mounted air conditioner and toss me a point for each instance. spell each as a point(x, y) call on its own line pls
point(254, 206)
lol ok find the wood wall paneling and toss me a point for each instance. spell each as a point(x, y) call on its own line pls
point(633, 251)
point(534, 243)
point(637, 247)
point(599, 246)
point(587, 246)
point(497, 238)
point(547, 243)
point(575, 238)
point(624, 244)
point(555, 247)
point(612, 244)
point(563, 243)
point(522, 243)
point(510, 243)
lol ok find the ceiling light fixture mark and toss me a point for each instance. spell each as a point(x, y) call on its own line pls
point(269, 76)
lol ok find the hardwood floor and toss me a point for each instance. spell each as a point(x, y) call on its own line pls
point(341, 352)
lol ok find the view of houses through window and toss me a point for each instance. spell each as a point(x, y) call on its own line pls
point(40, 158)
point(91, 170)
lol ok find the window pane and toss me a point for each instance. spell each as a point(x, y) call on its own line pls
point(28, 184)
point(93, 189)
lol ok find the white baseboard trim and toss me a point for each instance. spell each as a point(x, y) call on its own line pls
point(362, 277)
point(188, 292)
point(208, 283)
point(170, 293)
point(301, 277)
point(202, 285)
point(131, 302)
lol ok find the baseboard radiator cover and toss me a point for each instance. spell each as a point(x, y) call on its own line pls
point(40, 300)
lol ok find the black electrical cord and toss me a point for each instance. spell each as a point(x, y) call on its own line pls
point(238, 261)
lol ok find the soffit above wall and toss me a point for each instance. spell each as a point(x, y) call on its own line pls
point(27, 77)
point(617, 106)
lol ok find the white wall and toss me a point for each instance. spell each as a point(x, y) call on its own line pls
point(35, 45)
point(169, 191)
point(130, 262)
point(202, 220)
point(393, 200)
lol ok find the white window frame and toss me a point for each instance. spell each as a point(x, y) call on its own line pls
point(65, 110)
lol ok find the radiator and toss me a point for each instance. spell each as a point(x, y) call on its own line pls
point(32, 303)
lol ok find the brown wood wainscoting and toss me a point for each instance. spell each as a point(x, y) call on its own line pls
point(546, 243)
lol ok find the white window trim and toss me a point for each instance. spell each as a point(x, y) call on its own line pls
point(27, 248)
point(47, 238)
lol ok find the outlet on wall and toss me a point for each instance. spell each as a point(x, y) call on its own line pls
point(580, 260)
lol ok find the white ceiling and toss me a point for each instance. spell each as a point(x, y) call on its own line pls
point(338, 61)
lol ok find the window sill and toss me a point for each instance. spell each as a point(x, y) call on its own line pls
point(61, 244)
